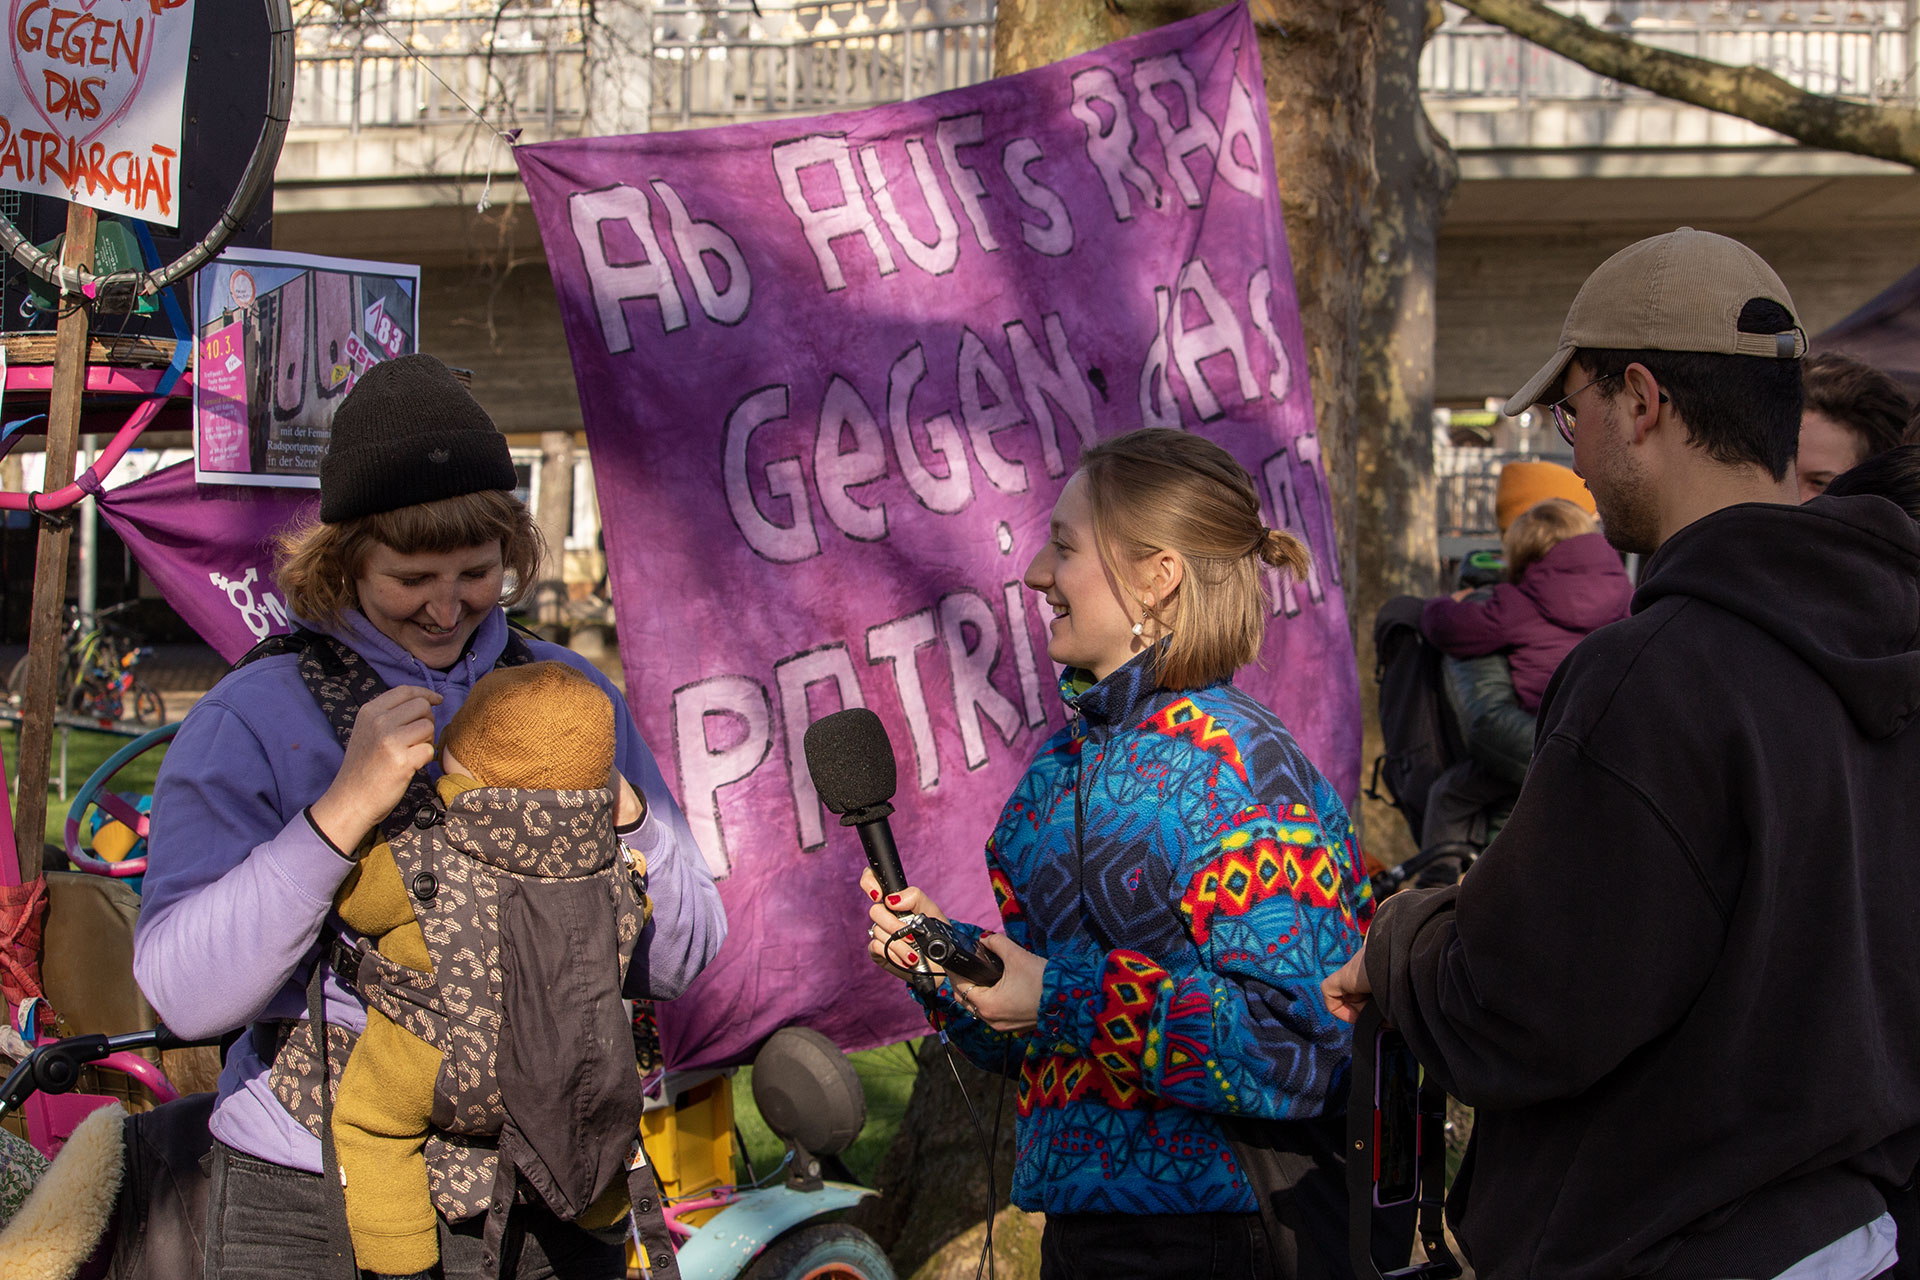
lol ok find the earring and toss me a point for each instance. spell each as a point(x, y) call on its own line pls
point(1139, 627)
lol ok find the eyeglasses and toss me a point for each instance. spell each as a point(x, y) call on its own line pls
point(1563, 416)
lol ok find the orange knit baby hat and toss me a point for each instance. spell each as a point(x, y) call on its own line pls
point(1526, 484)
point(542, 727)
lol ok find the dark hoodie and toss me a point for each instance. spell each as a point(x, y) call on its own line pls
point(1563, 597)
point(1682, 987)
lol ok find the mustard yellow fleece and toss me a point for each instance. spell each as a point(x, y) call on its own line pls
point(381, 1112)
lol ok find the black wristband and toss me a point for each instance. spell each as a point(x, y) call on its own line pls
point(308, 814)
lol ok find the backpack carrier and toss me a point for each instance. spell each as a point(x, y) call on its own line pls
point(516, 892)
point(1417, 727)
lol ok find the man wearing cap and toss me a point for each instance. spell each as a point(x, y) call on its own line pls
point(1680, 988)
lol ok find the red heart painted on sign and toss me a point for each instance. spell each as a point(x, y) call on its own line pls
point(79, 68)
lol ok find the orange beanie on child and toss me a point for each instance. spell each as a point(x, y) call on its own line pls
point(539, 727)
point(1527, 484)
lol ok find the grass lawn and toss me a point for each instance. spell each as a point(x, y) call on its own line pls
point(886, 1075)
point(85, 752)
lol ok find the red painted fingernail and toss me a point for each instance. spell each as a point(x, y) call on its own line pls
point(893, 899)
point(874, 894)
point(912, 958)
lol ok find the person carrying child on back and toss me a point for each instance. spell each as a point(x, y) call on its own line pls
point(1564, 583)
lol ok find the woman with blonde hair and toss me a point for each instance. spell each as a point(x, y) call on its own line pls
point(261, 811)
point(1173, 877)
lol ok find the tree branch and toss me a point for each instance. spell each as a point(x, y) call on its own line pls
point(1885, 133)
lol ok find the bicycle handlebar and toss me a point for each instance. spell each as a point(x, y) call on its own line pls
point(55, 1067)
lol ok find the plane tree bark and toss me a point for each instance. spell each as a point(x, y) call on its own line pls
point(1396, 542)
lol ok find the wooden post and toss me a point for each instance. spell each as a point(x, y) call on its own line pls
point(50, 564)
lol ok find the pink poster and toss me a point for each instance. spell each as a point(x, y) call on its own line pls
point(222, 385)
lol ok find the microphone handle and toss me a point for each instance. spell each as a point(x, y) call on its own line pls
point(876, 838)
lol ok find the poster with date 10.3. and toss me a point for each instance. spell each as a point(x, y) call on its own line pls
point(280, 340)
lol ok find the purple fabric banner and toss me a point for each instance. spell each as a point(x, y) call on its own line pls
point(209, 549)
point(834, 373)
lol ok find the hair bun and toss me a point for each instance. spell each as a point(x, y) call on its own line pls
point(1283, 550)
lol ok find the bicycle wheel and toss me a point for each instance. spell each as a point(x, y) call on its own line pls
point(94, 698)
point(120, 291)
point(147, 705)
point(18, 678)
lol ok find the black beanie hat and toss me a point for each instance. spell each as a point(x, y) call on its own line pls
point(408, 433)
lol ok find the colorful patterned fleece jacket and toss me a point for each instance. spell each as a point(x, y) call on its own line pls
point(1216, 881)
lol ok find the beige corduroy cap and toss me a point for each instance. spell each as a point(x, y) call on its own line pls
point(1682, 291)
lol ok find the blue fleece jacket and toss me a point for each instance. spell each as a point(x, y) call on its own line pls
point(1215, 882)
point(239, 882)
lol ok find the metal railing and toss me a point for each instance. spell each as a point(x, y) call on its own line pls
point(720, 62)
point(1860, 49)
point(716, 61)
point(711, 61)
point(518, 64)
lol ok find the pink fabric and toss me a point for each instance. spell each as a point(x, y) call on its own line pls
point(23, 919)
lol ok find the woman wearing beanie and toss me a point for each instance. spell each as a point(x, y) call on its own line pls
point(304, 757)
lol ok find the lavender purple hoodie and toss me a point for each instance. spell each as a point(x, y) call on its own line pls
point(239, 882)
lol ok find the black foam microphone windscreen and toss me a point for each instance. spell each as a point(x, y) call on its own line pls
point(851, 760)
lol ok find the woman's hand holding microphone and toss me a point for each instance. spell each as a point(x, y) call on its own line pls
point(1011, 1004)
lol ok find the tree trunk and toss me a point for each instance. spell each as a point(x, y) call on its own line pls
point(1317, 56)
point(619, 67)
point(933, 1205)
point(554, 514)
point(1397, 537)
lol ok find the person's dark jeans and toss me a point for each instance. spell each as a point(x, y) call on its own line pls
point(269, 1222)
point(1156, 1246)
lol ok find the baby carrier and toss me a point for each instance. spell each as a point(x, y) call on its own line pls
point(515, 891)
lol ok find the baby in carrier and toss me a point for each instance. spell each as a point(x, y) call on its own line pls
point(538, 740)
point(1564, 583)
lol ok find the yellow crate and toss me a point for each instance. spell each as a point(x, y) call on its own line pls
point(691, 1143)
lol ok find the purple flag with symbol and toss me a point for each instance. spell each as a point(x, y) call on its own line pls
point(834, 373)
point(209, 549)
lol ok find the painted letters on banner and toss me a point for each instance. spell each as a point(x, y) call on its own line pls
point(834, 373)
point(91, 111)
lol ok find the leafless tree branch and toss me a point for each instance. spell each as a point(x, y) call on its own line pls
point(1836, 124)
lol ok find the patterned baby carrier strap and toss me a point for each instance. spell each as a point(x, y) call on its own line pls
point(530, 912)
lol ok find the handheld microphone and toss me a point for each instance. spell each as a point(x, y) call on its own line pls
point(852, 763)
point(851, 760)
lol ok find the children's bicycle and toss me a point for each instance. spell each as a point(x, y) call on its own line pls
point(95, 675)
